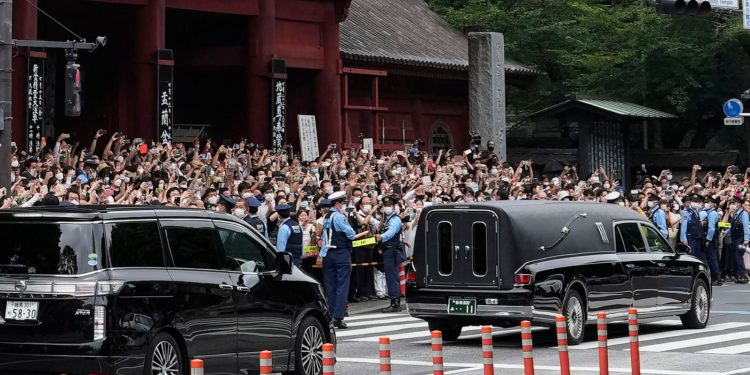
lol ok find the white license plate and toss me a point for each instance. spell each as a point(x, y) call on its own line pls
point(21, 310)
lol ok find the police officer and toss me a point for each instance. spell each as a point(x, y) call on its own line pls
point(740, 235)
point(691, 230)
point(393, 253)
point(657, 215)
point(289, 238)
point(337, 257)
point(711, 243)
point(226, 204)
point(252, 207)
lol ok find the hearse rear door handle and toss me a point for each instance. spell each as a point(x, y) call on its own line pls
point(243, 289)
point(466, 252)
point(225, 286)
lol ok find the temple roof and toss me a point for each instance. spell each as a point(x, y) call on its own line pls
point(407, 32)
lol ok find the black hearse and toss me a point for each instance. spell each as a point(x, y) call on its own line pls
point(141, 290)
point(502, 262)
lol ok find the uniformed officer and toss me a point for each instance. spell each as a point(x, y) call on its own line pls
point(740, 235)
point(252, 207)
point(289, 238)
point(657, 215)
point(691, 230)
point(710, 245)
point(393, 253)
point(337, 257)
point(226, 204)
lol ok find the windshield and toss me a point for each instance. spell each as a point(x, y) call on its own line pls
point(47, 249)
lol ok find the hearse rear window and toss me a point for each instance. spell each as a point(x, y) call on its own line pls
point(480, 248)
point(445, 248)
point(48, 248)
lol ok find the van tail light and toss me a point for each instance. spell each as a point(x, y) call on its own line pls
point(99, 322)
point(522, 279)
point(87, 288)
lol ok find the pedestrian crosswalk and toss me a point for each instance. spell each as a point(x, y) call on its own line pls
point(667, 335)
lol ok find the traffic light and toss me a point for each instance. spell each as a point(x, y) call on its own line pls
point(684, 7)
point(73, 89)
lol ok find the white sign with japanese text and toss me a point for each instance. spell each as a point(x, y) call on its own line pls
point(308, 137)
point(746, 14)
point(367, 144)
point(725, 4)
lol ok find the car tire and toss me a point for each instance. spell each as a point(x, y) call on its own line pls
point(700, 307)
point(574, 311)
point(164, 356)
point(308, 348)
point(450, 332)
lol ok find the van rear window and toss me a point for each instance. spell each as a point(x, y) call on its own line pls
point(48, 249)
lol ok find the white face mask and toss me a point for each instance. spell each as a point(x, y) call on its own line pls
point(140, 170)
point(59, 176)
point(387, 210)
point(606, 186)
point(695, 206)
point(213, 200)
point(367, 208)
point(117, 183)
point(74, 202)
point(269, 197)
point(247, 195)
point(651, 204)
point(357, 199)
point(287, 189)
point(240, 213)
point(329, 189)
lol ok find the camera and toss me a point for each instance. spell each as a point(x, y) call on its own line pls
point(476, 141)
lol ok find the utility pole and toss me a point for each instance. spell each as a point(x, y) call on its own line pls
point(6, 89)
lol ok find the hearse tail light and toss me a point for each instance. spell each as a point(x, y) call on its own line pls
point(522, 279)
point(99, 323)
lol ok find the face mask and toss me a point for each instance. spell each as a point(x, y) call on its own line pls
point(357, 199)
point(329, 189)
point(387, 210)
point(247, 195)
point(367, 208)
point(118, 183)
point(183, 186)
point(314, 171)
point(213, 200)
point(664, 187)
point(595, 179)
point(74, 202)
point(669, 177)
point(695, 206)
point(465, 172)
point(493, 171)
point(240, 213)
point(269, 197)
point(343, 172)
point(607, 186)
point(59, 176)
point(140, 170)
point(287, 189)
point(126, 179)
point(651, 204)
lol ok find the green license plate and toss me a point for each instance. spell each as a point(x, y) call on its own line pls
point(462, 306)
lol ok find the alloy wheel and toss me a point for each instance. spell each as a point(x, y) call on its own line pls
point(165, 360)
point(574, 317)
point(311, 351)
point(701, 304)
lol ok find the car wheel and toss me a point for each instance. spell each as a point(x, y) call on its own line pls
point(308, 348)
point(574, 311)
point(164, 357)
point(700, 307)
point(450, 331)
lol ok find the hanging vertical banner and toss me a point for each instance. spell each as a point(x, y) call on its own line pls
point(165, 96)
point(308, 137)
point(35, 104)
point(746, 14)
point(278, 115)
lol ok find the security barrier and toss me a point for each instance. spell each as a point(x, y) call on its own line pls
point(402, 278)
point(527, 347)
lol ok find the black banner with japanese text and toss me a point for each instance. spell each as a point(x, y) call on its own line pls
point(278, 115)
point(165, 97)
point(35, 104)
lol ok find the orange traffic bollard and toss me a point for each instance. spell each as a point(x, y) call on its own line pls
point(528, 348)
point(601, 337)
point(562, 345)
point(328, 359)
point(266, 362)
point(402, 279)
point(487, 351)
point(385, 356)
point(196, 367)
point(437, 353)
point(635, 356)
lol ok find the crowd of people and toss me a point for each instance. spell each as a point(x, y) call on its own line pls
point(707, 210)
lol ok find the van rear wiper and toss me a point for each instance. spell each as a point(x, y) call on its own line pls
point(565, 231)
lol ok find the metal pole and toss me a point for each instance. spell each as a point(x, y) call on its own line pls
point(6, 88)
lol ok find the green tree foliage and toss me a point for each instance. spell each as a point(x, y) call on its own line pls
point(618, 49)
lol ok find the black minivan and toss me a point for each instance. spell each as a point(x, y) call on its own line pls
point(143, 290)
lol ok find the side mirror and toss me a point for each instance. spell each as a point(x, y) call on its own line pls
point(681, 248)
point(284, 263)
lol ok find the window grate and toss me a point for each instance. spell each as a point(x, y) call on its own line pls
point(602, 232)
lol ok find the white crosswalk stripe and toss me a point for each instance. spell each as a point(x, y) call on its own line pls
point(661, 336)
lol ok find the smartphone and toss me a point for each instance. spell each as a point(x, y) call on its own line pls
point(103, 131)
point(143, 149)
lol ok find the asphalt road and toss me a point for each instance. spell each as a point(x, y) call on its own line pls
point(722, 348)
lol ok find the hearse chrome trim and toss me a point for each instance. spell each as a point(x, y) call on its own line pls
point(602, 232)
point(441, 309)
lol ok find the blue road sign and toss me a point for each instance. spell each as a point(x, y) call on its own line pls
point(733, 108)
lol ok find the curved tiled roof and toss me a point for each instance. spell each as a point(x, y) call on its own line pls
point(407, 32)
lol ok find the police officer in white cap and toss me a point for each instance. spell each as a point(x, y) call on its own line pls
point(337, 257)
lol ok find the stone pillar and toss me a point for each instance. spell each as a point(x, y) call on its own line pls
point(150, 21)
point(487, 89)
point(328, 87)
point(261, 47)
